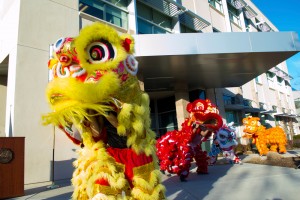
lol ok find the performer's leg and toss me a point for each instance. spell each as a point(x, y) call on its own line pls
point(201, 160)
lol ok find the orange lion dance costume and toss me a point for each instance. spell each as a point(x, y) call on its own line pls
point(273, 137)
point(96, 100)
point(177, 149)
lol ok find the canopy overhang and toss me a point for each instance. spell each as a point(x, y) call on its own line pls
point(210, 60)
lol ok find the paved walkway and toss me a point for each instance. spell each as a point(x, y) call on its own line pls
point(224, 182)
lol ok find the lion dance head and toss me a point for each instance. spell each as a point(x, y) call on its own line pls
point(251, 126)
point(94, 74)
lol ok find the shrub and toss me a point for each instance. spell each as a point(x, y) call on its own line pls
point(241, 149)
point(296, 137)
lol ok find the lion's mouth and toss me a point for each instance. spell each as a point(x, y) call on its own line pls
point(55, 98)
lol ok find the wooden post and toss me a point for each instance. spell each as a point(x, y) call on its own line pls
point(11, 167)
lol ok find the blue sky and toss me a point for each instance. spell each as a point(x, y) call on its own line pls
point(285, 15)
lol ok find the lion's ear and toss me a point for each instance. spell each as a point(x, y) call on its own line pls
point(128, 43)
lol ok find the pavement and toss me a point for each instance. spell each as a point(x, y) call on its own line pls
point(224, 182)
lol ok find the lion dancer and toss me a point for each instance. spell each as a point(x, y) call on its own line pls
point(177, 149)
point(96, 100)
point(224, 142)
point(200, 134)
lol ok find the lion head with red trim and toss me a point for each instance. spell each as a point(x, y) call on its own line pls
point(95, 74)
point(205, 113)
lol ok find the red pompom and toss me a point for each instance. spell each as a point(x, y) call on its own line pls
point(126, 44)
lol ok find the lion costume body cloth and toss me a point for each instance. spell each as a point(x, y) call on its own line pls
point(271, 139)
point(176, 150)
point(96, 100)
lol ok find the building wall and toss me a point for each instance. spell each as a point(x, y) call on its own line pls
point(9, 20)
point(3, 90)
point(31, 26)
point(217, 19)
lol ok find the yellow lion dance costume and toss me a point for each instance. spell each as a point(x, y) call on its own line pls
point(273, 139)
point(96, 100)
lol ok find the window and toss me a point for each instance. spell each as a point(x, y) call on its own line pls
point(120, 3)
point(185, 29)
point(234, 15)
point(228, 100)
point(114, 12)
point(287, 84)
point(217, 4)
point(167, 118)
point(197, 94)
point(248, 25)
point(280, 81)
point(151, 21)
point(231, 116)
point(258, 80)
point(271, 76)
point(167, 122)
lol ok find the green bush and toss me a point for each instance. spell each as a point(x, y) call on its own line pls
point(296, 137)
point(296, 143)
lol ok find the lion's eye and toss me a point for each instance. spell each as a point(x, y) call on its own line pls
point(58, 44)
point(222, 136)
point(99, 52)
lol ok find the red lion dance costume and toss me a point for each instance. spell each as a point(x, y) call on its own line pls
point(96, 100)
point(177, 149)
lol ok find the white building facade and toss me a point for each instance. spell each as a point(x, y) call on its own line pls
point(223, 52)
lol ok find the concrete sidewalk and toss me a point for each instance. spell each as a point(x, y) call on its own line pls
point(246, 181)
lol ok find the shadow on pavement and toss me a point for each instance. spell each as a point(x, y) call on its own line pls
point(197, 186)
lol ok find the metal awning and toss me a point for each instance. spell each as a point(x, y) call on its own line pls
point(210, 60)
point(280, 73)
point(168, 7)
point(249, 12)
point(268, 112)
point(238, 4)
point(193, 21)
point(252, 110)
point(264, 27)
point(285, 115)
point(293, 116)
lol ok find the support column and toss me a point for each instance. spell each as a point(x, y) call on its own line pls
point(182, 99)
point(132, 18)
point(227, 20)
point(242, 18)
